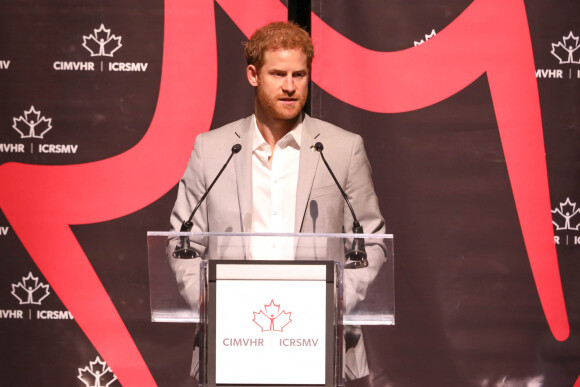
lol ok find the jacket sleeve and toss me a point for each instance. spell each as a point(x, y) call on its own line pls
point(361, 193)
point(191, 188)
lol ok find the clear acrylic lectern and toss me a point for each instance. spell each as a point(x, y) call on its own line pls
point(271, 308)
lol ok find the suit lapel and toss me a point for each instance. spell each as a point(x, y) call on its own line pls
point(243, 163)
point(306, 171)
point(308, 163)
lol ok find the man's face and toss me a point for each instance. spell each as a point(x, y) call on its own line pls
point(281, 84)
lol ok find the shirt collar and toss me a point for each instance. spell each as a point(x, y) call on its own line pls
point(291, 138)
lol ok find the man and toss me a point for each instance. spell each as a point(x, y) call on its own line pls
point(278, 182)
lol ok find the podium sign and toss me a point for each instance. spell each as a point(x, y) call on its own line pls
point(271, 323)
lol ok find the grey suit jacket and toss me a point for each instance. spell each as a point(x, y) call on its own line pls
point(320, 208)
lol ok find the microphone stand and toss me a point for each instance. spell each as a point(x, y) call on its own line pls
point(357, 253)
point(184, 250)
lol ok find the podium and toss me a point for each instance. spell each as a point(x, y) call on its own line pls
point(272, 309)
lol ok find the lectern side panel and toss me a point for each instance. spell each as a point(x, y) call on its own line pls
point(210, 338)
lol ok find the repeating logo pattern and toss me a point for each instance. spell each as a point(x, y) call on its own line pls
point(96, 374)
point(427, 37)
point(32, 124)
point(566, 221)
point(567, 50)
point(101, 42)
point(30, 290)
point(566, 216)
point(271, 319)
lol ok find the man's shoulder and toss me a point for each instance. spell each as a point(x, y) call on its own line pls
point(234, 129)
point(328, 131)
point(327, 128)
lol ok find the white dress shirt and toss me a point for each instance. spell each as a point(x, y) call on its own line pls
point(274, 182)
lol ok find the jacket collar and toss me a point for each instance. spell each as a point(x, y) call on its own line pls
point(308, 163)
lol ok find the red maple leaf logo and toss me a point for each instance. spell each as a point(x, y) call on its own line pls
point(271, 319)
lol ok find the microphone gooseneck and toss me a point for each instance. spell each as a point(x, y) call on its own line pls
point(184, 251)
point(357, 254)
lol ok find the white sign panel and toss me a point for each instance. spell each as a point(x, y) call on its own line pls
point(270, 332)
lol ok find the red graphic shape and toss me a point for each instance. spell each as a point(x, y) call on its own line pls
point(490, 37)
point(270, 319)
point(40, 202)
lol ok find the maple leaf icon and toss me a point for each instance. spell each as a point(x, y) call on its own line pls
point(101, 42)
point(97, 374)
point(427, 37)
point(32, 125)
point(567, 50)
point(29, 290)
point(271, 319)
point(566, 217)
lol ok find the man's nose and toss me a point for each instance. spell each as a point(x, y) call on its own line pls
point(288, 85)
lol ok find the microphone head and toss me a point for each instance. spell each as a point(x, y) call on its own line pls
point(314, 209)
point(236, 148)
point(318, 147)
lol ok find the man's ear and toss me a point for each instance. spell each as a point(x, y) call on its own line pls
point(252, 74)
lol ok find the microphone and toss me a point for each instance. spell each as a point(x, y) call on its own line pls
point(184, 250)
point(357, 254)
point(314, 213)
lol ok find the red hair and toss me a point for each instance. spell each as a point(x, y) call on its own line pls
point(278, 35)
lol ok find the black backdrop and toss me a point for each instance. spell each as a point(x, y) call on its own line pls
point(468, 310)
